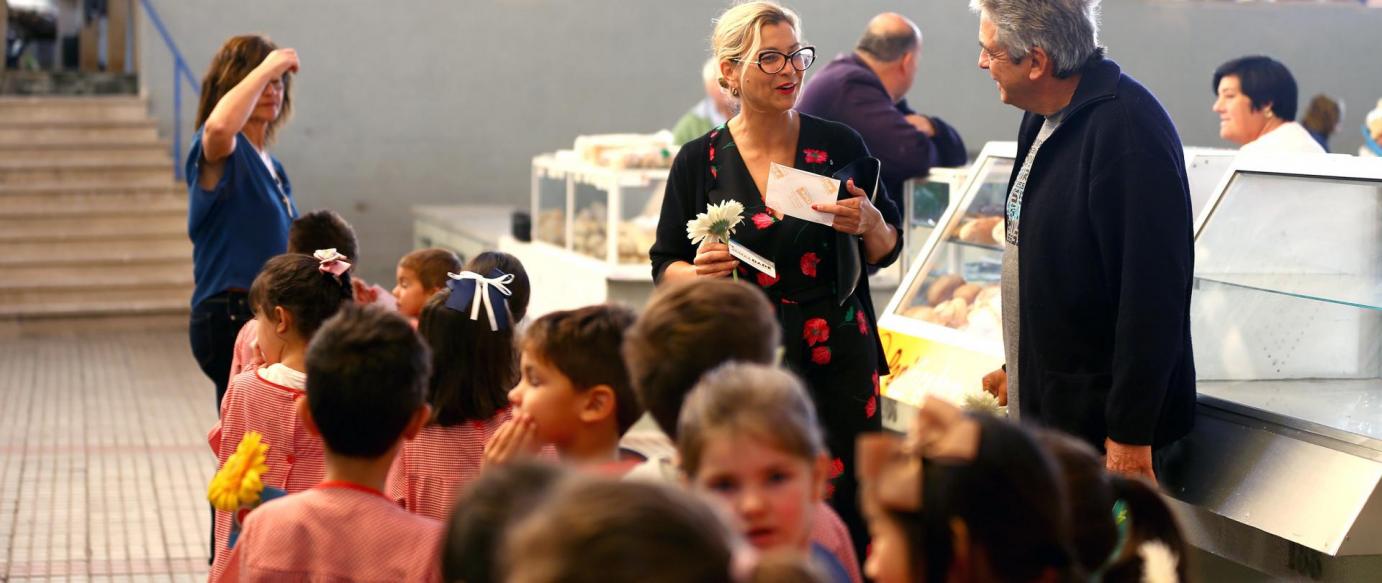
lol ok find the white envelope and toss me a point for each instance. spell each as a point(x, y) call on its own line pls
point(792, 192)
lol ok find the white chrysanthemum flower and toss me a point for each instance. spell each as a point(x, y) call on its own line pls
point(981, 401)
point(717, 223)
point(1159, 563)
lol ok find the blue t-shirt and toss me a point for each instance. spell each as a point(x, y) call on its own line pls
point(238, 225)
point(826, 562)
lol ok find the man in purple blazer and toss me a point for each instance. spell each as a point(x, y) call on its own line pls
point(867, 90)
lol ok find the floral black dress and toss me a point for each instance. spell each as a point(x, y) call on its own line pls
point(835, 348)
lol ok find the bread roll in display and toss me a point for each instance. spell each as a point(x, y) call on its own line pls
point(980, 230)
point(968, 292)
point(943, 289)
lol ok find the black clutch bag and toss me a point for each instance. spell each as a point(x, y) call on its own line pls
point(849, 266)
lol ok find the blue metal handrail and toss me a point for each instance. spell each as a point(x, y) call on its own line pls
point(180, 71)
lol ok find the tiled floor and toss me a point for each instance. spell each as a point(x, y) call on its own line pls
point(103, 459)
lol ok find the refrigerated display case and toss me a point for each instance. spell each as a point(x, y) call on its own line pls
point(577, 204)
point(924, 202)
point(1205, 168)
point(942, 330)
point(1284, 462)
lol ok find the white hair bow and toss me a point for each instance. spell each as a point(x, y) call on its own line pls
point(475, 289)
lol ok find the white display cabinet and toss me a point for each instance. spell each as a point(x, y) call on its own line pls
point(1287, 310)
point(1282, 468)
point(942, 330)
point(924, 203)
point(1205, 168)
point(577, 204)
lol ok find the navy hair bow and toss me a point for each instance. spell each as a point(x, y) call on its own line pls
point(470, 290)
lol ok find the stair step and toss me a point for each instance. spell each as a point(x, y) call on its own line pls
point(51, 132)
point(80, 203)
point(159, 186)
point(59, 276)
point(108, 250)
point(84, 302)
point(32, 108)
point(64, 275)
point(87, 320)
point(135, 223)
point(93, 189)
point(62, 172)
point(111, 152)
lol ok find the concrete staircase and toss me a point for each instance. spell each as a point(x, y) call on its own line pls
point(93, 225)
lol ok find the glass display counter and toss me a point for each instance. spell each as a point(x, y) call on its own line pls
point(577, 204)
point(924, 203)
point(1281, 471)
point(1205, 168)
point(942, 330)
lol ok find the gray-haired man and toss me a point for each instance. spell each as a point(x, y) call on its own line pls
point(1099, 257)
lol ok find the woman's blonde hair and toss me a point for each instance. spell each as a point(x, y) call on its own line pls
point(752, 400)
point(738, 31)
point(231, 64)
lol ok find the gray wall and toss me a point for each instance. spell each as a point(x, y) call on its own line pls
point(427, 102)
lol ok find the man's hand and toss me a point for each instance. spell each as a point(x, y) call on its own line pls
point(922, 124)
point(1129, 460)
point(996, 384)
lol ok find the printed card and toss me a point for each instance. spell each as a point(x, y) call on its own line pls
point(792, 192)
point(754, 260)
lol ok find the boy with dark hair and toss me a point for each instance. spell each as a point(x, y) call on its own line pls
point(574, 391)
point(323, 229)
point(689, 329)
point(366, 386)
point(422, 273)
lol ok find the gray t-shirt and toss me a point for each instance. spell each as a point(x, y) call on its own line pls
point(1009, 287)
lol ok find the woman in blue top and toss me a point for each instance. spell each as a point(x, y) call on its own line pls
point(240, 203)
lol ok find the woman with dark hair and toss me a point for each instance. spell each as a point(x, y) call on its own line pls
point(963, 498)
point(240, 203)
point(1256, 103)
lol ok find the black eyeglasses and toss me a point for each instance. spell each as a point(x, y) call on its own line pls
point(773, 62)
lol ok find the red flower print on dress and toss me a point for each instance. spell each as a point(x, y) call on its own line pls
point(837, 467)
point(829, 490)
point(863, 326)
point(808, 263)
point(713, 173)
point(815, 156)
point(816, 331)
point(765, 281)
point(871, 408)
point(712, 152)
point(820, 355)
point(763, 220)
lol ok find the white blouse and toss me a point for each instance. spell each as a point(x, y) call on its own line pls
point(1287, 138)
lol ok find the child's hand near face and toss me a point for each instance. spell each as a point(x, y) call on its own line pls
point(516, 438)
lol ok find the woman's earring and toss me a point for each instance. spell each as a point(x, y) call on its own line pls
point(734, 91)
